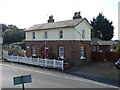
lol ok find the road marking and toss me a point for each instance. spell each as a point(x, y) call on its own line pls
point(66, 77)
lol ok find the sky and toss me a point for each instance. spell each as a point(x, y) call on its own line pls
point(25, 13)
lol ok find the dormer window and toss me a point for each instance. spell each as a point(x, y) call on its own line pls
point(61, 33)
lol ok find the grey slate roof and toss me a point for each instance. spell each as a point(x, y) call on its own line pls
point(52, 25)
point(105, 42)
point(96, 41)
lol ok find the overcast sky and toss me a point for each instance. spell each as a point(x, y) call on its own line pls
point(25, 13)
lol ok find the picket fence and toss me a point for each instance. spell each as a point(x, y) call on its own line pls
point(59, 64)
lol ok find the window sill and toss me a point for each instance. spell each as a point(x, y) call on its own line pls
point(82, 58)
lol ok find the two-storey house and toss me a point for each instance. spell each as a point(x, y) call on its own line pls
point(68, 40)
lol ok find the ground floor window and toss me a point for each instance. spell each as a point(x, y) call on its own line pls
point(82, 53)
point(61, 52)
point(33, 51)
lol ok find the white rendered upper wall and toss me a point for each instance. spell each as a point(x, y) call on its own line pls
point(69, 33)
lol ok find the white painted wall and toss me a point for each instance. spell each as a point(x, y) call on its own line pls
point(84, 25)
point(53, 34)
point(68, 33)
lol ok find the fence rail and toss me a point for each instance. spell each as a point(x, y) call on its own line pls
point(35, 61)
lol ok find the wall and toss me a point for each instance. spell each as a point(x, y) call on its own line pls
point(84, 25)
point(108, 56)
point(53, 34)
point(69, 33)
point(71, 47)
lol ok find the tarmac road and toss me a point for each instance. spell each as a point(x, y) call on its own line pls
point(45, 78)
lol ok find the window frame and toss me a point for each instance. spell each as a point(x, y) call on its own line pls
point(61, 52)
point(33, 51)
point(33, 35)
point(45, 35)
point(83, 33)
point(61, 34)
point(82, 52)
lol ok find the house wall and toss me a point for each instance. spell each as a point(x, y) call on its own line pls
point(71, 50)
point(105, 48)
point(69, 33)
point(53, 34)
point(84, 25)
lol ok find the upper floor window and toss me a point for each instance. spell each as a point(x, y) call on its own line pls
point(33, 34)
point(46, 35)
point(83, 33)
point(61, 33)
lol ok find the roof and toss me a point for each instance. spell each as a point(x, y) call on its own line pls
point(105, 42)
point(53, 25)
point(96, 41)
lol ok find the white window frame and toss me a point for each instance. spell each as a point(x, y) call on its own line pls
point(61, 52)
point(33, 35)
point(46, 35)
point(83, 33)
point(33, 51)
point(82, 53)
point(61, 34)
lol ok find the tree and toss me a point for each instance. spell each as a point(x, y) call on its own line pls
point(102, 28)
point(12, 34)
point(4, 27)
point(117, 47)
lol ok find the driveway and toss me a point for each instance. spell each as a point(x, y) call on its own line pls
point(99, 71)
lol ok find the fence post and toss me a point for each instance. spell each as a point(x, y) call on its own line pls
point(30, 60)
point(12, 58)
point(17, 59)
point(54, 63)
point(62, 65)
point(45, 62)
point(38, 61)
point(24, 59)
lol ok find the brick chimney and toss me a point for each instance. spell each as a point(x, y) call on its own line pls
point(51, 19)
point(77, 15)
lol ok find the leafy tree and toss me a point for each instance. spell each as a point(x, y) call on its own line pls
point(117, 47)
point(12, 34)
point(102, 28)
point(8, 36)
point(4, 27)
point(22, 44)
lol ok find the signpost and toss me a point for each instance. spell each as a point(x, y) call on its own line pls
point(22, 79)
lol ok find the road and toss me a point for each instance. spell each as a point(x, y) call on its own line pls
point(44, 78)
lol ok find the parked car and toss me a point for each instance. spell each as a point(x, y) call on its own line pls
point(117, 64)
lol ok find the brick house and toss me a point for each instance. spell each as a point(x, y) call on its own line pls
point(68, 40)
point(1, 40)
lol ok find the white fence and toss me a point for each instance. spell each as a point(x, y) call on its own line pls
point(34, 61)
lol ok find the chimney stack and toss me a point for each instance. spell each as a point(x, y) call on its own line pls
point(51, 19)
point(77, 15)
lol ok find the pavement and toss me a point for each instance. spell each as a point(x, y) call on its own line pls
point(104, 72)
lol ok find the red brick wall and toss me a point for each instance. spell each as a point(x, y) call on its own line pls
point(71, 49)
